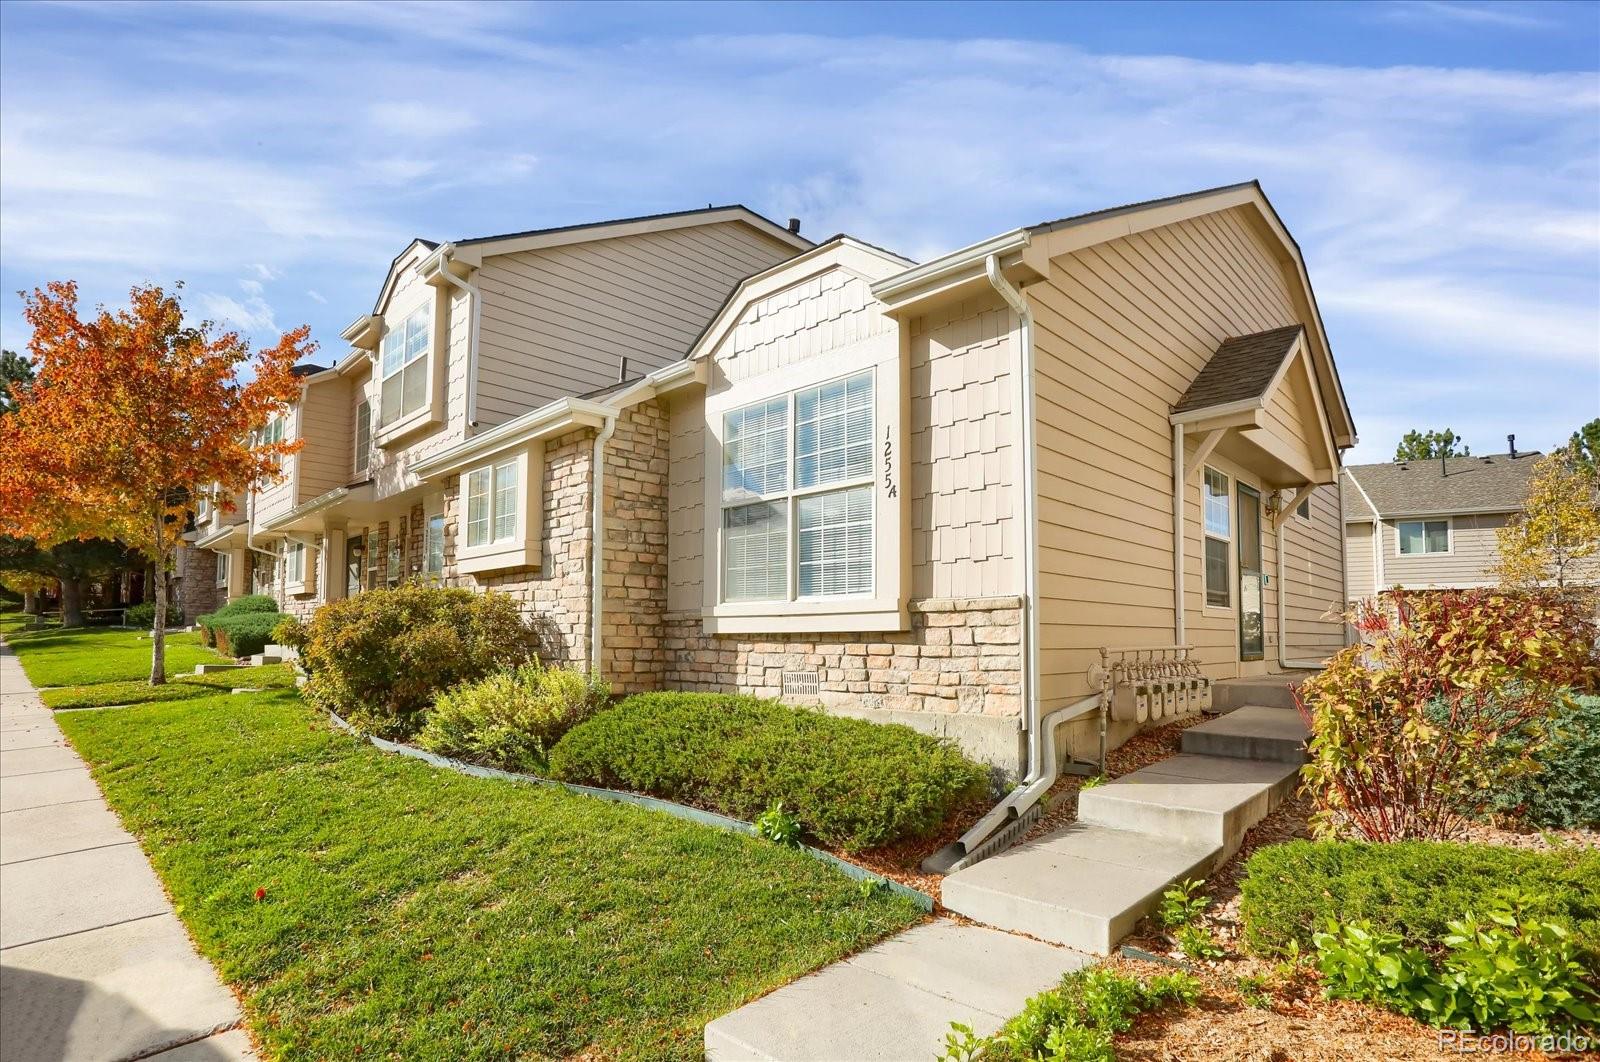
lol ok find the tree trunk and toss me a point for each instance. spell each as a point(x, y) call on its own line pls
point(30, 602)
point(158, 633)
point(72, 602)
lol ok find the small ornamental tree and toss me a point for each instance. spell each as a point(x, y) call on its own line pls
point(1558, 528)
point(1446, 697)
point(133, 414)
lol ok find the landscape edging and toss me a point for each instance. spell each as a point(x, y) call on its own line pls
point(682, 811)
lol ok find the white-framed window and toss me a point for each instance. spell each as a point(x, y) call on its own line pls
point(224, 560)
point(798, 492)
point(403, 367)
point(492, 498)
point(274, 432)
point(433, 548)
point(202, 507)
point(1303, 510)
point(363, 437)
point(1417, 537)
point(294, 562)
point(1218, 515)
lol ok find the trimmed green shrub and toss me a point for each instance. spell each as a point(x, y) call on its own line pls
point(245, 633)
point(851, 783)
point(1565, 790)
point(249, 604)
point(1507, 972)
point(511, 718)
point(143, 616)
point(1411, 888)
point(381, 657)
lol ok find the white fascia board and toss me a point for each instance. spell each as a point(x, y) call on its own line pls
point(943, 269)
point(559, 416)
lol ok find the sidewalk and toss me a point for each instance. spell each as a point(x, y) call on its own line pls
point(94, 964)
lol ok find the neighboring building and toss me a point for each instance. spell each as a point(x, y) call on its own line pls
point(843, 484)
point(1424, 525)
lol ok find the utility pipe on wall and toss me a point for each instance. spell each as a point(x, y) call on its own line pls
point(597, 517)
point(1030, 544)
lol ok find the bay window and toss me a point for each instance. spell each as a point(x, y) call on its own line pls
point(798, 494)
point(404, 368)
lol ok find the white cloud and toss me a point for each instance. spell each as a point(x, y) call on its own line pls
point(250, 315)
point(1497, 16)
point(316, 297)
point(265, 272)
point(420, 120)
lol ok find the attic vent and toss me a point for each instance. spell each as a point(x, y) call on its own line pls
point(801, 684)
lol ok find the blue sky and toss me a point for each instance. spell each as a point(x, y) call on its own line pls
point(1439, 162)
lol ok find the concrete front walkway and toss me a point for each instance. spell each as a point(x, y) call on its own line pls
point(94, 964)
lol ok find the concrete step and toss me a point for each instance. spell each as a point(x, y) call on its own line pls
point(1083, 886)
point(211, 669)
point(1209, 800)
point(895, 1000)
point(1267, 691)
point(1251, 733)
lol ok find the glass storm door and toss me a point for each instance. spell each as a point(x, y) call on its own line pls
point(1251, 643)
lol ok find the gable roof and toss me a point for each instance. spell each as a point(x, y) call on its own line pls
point(1497, 483)
point(586, 230)
point(1243, 368)
point(1025, 254)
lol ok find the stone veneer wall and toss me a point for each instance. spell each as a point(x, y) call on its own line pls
point(196, 590)
point(555, 596)
point(637, 470)
point(958, 657)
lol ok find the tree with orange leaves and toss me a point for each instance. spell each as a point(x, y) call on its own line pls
point(133, 416)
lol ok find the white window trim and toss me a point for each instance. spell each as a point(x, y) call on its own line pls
point(1449, 536)
point(305, 582)
point(428, 414)
point(521, 548)
point(357, 466)
point(885, 608)
point(1206, 532)
point(428, 518)
point(224, 569)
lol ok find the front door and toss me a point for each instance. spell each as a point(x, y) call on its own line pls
point(1251, 616)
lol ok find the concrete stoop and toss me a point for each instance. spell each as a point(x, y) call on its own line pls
point(895, 1000)
point(1082, 887)
point(1266, 691)
point(1087, 885)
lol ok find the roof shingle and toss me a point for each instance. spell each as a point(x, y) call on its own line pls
point(1241, 368)
point(1496, 483)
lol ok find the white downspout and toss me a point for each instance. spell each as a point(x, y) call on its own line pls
point(1377, 535)
point(475, 302)
point(597, 517)
point(1030, 546)
point(1178, 545)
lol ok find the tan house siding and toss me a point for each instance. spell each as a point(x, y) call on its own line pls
point(807, 320)
point(324, 422)
point(1358, 560)
point(1121, 329)
point(1313, 579)
point(1473, 551)
point(686, 530)
point(964, 471)
point(558, 321)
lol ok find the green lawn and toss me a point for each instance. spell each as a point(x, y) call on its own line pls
point(183, 687)
point(92, 655)
point(411, 912)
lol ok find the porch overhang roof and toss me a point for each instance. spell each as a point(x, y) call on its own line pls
point(310, 516)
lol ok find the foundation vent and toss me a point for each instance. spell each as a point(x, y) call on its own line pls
point(797, 684)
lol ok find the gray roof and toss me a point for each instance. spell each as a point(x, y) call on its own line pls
point(1496, 483)
point(1241, 368)
point(707, 209)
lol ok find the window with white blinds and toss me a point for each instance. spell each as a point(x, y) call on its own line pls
point(404, 365)
point(797, 492)
point(492, 496)
point(363, 437)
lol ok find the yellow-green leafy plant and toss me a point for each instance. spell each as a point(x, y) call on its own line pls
point(1445, 698)
point(1558, 530)
point(511, 718)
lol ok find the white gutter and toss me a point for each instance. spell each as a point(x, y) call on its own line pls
point(1178, 621)
point(475, 302)
point(956, 262)
point(597, 587)
point(1030, 533)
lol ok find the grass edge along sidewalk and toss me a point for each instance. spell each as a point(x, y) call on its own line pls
point(357, 899)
